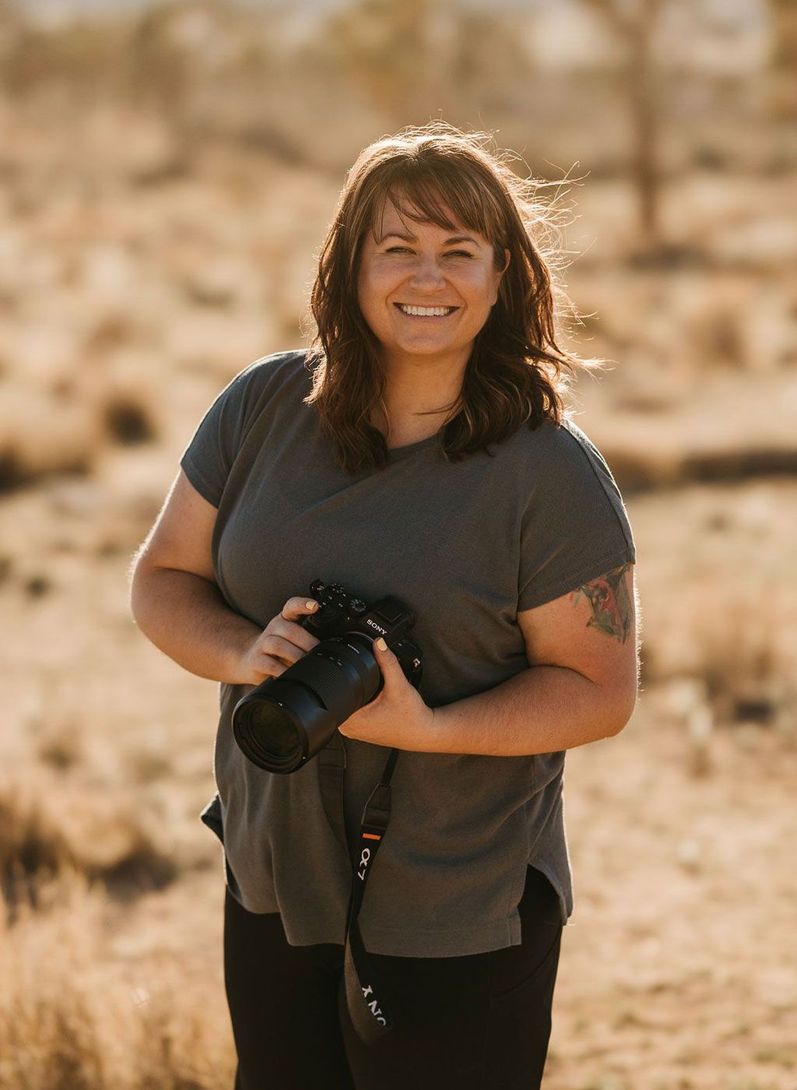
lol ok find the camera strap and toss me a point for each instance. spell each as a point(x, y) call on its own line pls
point(364, 998)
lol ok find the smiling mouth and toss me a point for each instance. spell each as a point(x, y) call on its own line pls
point(425, 312)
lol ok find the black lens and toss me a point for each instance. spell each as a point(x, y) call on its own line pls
point(274, 732)
point(286, 720)
point(280, 724)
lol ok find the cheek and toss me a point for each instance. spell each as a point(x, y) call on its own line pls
point(373, 284)
point(494, 286)
point(485, 289)
point(483, 279)
point(365, 292)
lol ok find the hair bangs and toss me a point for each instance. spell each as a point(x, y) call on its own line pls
point(447, 196)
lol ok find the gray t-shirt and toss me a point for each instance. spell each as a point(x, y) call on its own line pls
point(466, 545)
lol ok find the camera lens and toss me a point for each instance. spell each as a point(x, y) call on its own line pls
point(280, 724)
point(286, 720)
point(273, 735)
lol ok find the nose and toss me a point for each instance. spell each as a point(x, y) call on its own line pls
point(426, 274)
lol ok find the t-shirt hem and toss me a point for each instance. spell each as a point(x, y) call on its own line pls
point(200, 483)
point(396, 942)
point(565, 895)
point(421, 943)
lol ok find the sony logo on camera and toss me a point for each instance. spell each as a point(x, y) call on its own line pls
point(378, 627)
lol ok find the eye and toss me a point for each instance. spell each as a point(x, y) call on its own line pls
point(398, 250)
point(459, 253)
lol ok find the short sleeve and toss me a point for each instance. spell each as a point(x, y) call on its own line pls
point(209, 457)
point(575, 525)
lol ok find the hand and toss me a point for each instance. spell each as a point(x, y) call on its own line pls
point(397, 716)
point(281, 643)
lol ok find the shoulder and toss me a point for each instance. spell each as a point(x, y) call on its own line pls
point(273, 371)
point(260, 388)
point(574, 523)
point(557, 453)
point(565, 476)
point(265, 385)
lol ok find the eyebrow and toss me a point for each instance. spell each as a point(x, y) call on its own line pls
point(412, 238)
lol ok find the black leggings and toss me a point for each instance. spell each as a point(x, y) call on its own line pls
point(479, 1022)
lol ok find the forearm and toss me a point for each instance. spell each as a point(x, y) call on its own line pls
point(541, 710)
point(186, 617)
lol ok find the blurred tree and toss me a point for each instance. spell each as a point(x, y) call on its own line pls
point(418, 58)
point(636, 22)
point(68, 64)
point(491, 66)
point(784, 56)
point(10, 35)
point(386, 47)
point(159, 62)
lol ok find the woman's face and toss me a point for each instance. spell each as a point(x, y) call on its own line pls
point(426, 291)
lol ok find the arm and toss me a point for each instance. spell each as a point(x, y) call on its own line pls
point(178, 606)
point(580, 685)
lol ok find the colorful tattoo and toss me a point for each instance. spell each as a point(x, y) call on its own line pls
point(610, 600)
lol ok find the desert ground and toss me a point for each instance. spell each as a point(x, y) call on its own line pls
point(140, 269)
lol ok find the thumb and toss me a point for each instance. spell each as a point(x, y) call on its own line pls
point(388, 663)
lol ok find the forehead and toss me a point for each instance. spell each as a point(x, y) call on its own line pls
point(396, 216)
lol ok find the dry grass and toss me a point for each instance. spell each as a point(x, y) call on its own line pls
point(719, 604)
point(59, 412)
point(73, 1018)
point(50, 828)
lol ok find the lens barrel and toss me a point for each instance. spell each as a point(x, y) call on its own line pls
point(285, 720)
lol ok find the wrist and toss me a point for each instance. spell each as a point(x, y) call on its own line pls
point(438, 729)
point(237, 663)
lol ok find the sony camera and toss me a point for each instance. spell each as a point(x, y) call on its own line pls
point(286, 720)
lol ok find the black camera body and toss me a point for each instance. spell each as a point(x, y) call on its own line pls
point(286, 720)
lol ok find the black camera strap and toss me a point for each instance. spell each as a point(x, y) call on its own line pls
point(364, 998)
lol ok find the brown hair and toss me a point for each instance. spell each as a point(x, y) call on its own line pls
point(517, 373)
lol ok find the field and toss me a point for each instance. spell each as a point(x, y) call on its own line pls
point(137, 275)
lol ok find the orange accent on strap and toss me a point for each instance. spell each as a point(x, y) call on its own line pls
point(371, 836)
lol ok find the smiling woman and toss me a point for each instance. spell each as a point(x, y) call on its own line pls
point(419, 451)
point(425, 295)
point(437, 221)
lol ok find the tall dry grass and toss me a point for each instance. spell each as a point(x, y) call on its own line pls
point(73, 1017)
point(49, 828)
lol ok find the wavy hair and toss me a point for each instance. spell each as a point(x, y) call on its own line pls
point(516, 374)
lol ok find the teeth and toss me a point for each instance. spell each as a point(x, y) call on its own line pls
point(426, 312)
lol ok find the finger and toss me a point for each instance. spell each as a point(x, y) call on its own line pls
point(296, 608)
point(267, 666)
point(292, 632)
point(274, 646)
point(388, 663)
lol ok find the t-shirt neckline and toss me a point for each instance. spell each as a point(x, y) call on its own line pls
point(397, 453)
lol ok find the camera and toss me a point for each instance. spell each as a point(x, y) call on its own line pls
point(286, 720)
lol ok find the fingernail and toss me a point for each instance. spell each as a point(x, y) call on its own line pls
point(311, 605)
point(380, 643)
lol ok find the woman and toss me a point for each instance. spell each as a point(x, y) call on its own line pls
point(420, 451)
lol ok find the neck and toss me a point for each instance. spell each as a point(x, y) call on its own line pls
point(422, 390)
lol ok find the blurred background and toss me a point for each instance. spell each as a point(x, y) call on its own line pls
point(167, 171)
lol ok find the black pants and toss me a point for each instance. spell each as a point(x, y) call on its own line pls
point(479, 1022)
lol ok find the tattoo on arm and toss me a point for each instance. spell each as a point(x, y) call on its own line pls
point(610, 602)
